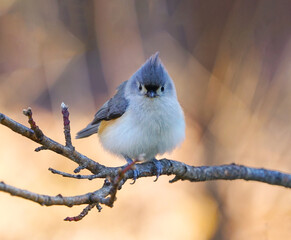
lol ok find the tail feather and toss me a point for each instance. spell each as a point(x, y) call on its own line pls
point(88, 131)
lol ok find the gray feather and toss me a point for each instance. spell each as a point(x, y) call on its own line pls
point(113, 108)
point(88, 131)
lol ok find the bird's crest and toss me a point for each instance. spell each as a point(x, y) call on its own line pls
point(152, 71)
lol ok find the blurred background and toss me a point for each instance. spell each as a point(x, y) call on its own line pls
point(230, 61)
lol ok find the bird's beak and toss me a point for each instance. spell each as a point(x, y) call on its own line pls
point(151, 94)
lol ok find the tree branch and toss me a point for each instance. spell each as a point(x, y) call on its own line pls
point(117, 177)
point(52, 145)
point(46, 200)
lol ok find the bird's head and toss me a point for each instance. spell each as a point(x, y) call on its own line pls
point(151, 80)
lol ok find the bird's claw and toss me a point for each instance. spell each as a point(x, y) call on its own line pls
point(158, 169)
point(135, 175)
point(135, 171)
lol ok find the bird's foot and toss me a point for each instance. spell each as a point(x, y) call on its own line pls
point(135, 171)
point(158, 169)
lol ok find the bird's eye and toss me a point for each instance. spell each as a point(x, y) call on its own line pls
point(140, 87)
point(162, 88)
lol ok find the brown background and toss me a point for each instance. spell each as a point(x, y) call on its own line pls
point(230, 61)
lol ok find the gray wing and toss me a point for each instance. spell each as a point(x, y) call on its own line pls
point(113, 108)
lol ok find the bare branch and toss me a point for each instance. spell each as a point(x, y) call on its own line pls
point(169, 167)
point(227, 172)
point(50, 144)
point(77, 176)
point(38, 133)
point(45, 200)
point(38, 149)
point(79, 168)
point(107, 194)
point(83, 213)
point(67, 129)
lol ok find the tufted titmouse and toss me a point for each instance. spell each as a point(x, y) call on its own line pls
point(144, 117)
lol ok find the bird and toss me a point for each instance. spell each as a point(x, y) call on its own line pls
point(143, 119)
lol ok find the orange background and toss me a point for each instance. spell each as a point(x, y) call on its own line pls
point(230, 61)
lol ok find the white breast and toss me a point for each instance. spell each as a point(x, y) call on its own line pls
point(149, 127)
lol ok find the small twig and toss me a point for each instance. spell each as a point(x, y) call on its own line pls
point(77, 176)
point(38, 149)
point(38, 133)
point(81, 167)
point(67, 129)
point(82, 214)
